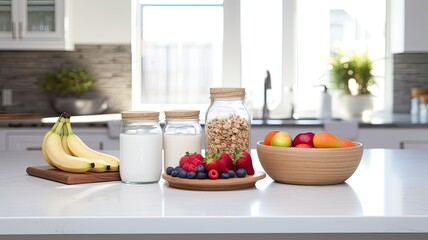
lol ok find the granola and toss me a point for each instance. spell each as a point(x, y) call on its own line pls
point(227, 134)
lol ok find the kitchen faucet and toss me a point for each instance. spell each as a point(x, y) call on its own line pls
point(268, 85)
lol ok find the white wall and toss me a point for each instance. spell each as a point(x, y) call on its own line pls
point(408, 23)
point(101, 21)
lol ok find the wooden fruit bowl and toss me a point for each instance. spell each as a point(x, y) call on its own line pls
point(309, 166)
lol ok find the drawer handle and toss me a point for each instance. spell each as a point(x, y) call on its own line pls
point(34, 148)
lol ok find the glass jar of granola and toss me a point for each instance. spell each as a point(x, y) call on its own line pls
point(227, 121)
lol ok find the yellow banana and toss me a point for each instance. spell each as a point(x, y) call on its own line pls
point(100, 165)
point(80, 149)
point(60, 158)
point(45, 155)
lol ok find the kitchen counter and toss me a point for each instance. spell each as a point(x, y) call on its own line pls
point(387, 194)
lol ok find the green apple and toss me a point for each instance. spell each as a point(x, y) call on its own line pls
point(281, 139)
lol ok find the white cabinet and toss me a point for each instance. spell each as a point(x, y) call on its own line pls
point(407, 27)
point(35, 25)
point(31, 138)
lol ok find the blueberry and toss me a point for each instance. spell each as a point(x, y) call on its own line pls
point(201, 175)
point(169, 170)
point(178, 168)
point(231, 173)
point(182, 174)
point(200, 168)
point(224, 175)
point(174, 173)
point(191, 175)
point(241, 173)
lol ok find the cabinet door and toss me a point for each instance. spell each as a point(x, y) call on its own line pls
point(41, 19)
point(8, 13)
point(32, 140)
point(34, 24)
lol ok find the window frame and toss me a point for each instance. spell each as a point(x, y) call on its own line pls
point(232, 55)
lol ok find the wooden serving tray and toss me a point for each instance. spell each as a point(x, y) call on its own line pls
point(50, 173)
point(214, 185)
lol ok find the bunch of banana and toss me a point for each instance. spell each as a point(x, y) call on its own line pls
point(70, 154)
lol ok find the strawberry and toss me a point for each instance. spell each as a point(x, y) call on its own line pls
point(242, 159)
point(184, 159)
point(185, 166)
point(191, 168)
point(213, 162)
point(227, 161)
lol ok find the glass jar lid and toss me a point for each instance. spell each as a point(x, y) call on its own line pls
point(140, 115)
point(227, 92)
point(182, 114)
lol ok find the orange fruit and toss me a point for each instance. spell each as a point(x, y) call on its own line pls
point(303, 145)
point(346, 142)
point(326, 140)
point(269, 136)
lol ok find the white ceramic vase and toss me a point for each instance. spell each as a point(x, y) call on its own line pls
point(356, 106)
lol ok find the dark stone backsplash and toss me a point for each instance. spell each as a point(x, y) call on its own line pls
point(410, 70)
point(110, 65)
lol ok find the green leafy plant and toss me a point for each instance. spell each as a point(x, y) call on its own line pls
point(352, 66)
point(67, 81)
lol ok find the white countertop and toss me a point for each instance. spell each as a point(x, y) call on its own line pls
point(387, 194)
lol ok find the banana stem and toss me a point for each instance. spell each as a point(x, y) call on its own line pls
point(59, 127)
point(68, 127)
point(64, 128)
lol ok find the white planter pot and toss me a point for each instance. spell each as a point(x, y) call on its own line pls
point(356, 106)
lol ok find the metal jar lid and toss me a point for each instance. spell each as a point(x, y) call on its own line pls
point(140, 115)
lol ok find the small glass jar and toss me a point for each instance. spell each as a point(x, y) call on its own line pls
point(182, 133)
point(423, 108)
point(140, 147)
point(227, 121)
point(415, 104)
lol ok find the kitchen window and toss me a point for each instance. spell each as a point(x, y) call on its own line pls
point(182, 48)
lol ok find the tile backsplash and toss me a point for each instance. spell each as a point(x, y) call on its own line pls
point(410, 70)
point(110, 65)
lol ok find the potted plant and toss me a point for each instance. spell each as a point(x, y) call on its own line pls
point(352, 75)
point(67, 87)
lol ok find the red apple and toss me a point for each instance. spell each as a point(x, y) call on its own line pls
point(306, 138)
point(281, 139)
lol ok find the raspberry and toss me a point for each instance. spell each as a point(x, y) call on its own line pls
point(213, 174)
point(195, 159)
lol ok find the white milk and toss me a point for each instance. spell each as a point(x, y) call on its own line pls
point(140, 157)
point(176, 146)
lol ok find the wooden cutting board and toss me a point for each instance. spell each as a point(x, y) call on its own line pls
point(50, 173)
point(9, 116)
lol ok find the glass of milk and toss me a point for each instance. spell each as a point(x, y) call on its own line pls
point(140, 147)
point(182, 134)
